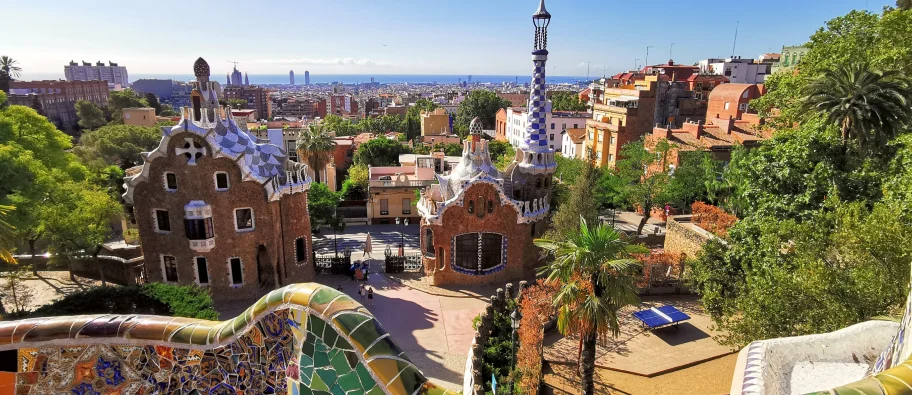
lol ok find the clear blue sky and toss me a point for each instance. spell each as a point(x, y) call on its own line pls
point(400, 36)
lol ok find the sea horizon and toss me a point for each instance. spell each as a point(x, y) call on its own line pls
point(282, 79)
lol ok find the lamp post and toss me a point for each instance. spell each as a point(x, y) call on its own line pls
point(404, 222)
point(647, 56)
point(515, 318)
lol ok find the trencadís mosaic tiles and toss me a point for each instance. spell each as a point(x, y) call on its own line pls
point(303, 339)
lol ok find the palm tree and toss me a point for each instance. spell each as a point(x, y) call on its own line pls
point(870, 106)
point(6, 236)
point(8, 66)
point(595, 269)
point(315, 148)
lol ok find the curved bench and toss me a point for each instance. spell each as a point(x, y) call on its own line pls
point(300, 339)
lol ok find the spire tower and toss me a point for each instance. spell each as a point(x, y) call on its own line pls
point(537, 156)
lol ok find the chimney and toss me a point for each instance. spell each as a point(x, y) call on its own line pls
point(662, 133)
point(694, 128)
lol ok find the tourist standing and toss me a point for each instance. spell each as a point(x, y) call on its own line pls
point(361, 293)
point(370, 296)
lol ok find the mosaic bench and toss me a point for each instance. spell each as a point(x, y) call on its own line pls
point(304, 339)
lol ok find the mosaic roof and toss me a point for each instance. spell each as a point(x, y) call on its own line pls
point(301, 339)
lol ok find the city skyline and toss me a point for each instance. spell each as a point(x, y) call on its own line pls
point(448, 39)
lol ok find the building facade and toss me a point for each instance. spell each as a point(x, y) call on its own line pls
point(572, 143)
point(478, 223)
point(112, 73)
point(789, 58)
point(435, 123)
point(139, 116)
point(737, 70)
point(217, 209)
point(556, 122)
point(257, 98)
point(57, 99)
point(306, 77)
point(291, 77)
point(731, 100)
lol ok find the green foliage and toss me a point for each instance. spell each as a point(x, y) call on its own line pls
point(315, 147)
point(481, 104)
point(379, 151)
point(577, 204)
point(503, 161)
point(15, 291)
point(168, 111)
point(567, 101)
point(90, 116)
point(321, 205)
point(153, 102)
point(78, 218)
point(152, 299)
point(119, 100)
point(118, 145)
point(644, 175)
point(356, 185)
point(499, 351)
point(692, 180)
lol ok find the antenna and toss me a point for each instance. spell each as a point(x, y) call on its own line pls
point(647, 56)
point(233, 61)
point(670, 51)
point(737, 25)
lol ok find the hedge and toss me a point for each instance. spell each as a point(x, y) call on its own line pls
point(153, 299)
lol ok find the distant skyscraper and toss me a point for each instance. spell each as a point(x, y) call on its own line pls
point(236, 78)
point(112, 73)
point(372, 80)
point(246, 80)
point(306, 77)
point(227, 79)
point(291, 77)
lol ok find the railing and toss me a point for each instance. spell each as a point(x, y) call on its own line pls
point(204, 245)
point(395, 184)
point(405, 263)
point(603, 125)
point(334, 264)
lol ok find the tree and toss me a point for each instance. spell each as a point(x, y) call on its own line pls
point(6, 235)
point(498, 149)
point(904, 4)
point(321, 205)
point(692, 179)
point(90, 116)
point(579, 204)
point(153, 102)
point(356, 185)
point(168, 111)
point(315, 147)
point(237, 104)
point(118, 145)
point(79, 221)
point(38, 107)
point(119, 100)
point(14, 290)
point(644, 175)
point(595, 270)
point(479, 103)
point(379, 151)
point(567, 101)
point(8, 71)
point(869, 106)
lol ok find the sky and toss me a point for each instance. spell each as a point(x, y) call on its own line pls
point(400, 36)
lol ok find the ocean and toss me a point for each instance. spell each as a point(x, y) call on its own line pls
point(282, 79)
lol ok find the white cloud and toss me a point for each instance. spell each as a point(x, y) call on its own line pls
point(328, 62)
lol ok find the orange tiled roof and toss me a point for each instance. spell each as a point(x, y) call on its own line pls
point(577, 135)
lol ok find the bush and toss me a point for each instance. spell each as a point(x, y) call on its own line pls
point(713, 219)
point(153, 299)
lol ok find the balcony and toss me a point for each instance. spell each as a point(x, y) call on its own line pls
point(604, 125)
point(400, 184)
point(203, 245)
point(632, 111)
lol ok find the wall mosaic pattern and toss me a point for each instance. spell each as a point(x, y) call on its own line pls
point(304, 339)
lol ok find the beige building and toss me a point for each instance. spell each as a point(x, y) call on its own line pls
point(435, 123)
point(392, 190)
point(139, 116)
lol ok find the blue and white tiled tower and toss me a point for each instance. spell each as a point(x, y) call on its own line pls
point(537, 157)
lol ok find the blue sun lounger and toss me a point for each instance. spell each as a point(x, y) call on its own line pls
point(658, 317)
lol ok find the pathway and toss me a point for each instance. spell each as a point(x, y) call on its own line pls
point(353, 237)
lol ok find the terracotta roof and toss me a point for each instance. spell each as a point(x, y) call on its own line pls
point(577, 135)
point(729, 92)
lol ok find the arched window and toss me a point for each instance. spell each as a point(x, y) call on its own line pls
point(490, 206)
point(429, 242)
point(478, 253)
point(471, 206)
point(441, 262)
point(538, 183)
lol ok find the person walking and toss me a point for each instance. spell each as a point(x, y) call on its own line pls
point(370, 296)
point(339, 288)
point(361, 293)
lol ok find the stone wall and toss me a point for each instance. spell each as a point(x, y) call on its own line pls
point(117, 270)
point(473, 384)
point(684, 237)
point(301, 339)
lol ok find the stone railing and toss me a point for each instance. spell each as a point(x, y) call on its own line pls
point(400, 184)
point(303, 336)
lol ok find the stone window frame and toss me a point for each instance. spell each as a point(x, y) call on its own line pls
point(165, 181)
point(491, 270)
point(231, 283)
point(252, 220)
point(227, 180)
point(161, 259)
point(196, 272)
point(155, 221)
point(303, 262)
point(428, 237)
